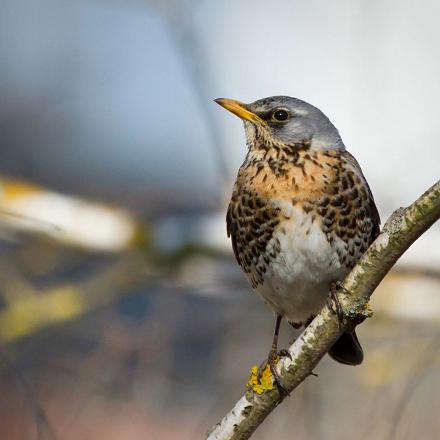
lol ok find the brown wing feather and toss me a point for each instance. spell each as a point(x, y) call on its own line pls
point(231, 229)
point(371, 205)
point(251, 222)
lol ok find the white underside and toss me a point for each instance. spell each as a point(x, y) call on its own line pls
point(296, 283)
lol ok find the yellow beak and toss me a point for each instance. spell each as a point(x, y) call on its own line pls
point(239, 109)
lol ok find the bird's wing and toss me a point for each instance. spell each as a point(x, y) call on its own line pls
point(251, 222)
point(372, 211)
point(231, 229)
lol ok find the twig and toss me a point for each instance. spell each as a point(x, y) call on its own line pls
point(399, 232)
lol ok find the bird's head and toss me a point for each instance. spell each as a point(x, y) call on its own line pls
point(284, 122)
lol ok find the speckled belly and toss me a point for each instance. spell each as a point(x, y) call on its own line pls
point(296, 281)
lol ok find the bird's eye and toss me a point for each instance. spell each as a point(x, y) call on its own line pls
point(280, 115)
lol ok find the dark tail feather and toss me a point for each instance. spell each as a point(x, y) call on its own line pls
point(347, 350)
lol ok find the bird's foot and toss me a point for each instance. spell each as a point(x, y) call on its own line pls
point(272, 360)
point(334, 303)
point(285, 353)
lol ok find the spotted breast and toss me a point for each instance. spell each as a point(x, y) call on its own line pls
point(298, 222)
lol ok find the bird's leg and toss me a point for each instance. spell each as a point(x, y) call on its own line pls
point(272, 357)
point(335, 299)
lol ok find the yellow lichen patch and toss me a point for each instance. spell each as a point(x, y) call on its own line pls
point(261, 383)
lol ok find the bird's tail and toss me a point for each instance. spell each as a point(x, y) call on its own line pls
point(347, 349)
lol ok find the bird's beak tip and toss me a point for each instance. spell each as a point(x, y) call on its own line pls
point(219, 101)
point(238, 108)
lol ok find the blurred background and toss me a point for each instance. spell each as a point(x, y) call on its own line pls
point(122, 312)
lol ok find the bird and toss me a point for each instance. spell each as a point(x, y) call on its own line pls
point(301, 213)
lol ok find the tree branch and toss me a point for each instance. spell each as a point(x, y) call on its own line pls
point(398, 233)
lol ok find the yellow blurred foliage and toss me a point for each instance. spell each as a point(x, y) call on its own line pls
point(32, 312)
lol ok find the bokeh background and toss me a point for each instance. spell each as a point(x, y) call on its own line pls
point(122, 312)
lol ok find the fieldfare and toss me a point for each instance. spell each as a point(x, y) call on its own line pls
point(301, 213)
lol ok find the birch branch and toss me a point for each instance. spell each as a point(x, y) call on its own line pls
point(401, 230)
